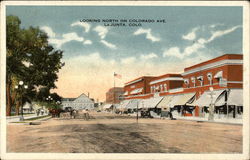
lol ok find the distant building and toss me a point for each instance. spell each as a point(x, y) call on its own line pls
point(114, 95)
point(81, 102)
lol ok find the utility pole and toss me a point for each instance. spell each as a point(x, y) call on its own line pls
point(211, 106)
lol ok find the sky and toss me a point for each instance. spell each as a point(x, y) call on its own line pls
point(93, 51)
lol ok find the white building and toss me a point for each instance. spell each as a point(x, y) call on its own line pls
point(81, 102)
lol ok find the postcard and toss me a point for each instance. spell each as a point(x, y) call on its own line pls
point(124, 80)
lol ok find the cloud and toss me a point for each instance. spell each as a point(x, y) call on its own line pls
point(102, 31)
point(66, 38)
point(215, 25)
point(49, 31)
point(148, 33)
point(192, 49)
point(98, 71)
point(173, 51)
point(108, 44)
point(128, 60)
point(85, 25)
point(87, 42)
point(190, 36)
point(199, 44)
point(148, 56)
point(216, 34)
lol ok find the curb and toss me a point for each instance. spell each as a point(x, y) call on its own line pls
point(208, 121)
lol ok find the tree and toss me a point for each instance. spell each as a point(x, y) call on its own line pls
point(31, 59)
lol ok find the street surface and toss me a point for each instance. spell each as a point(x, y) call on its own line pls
point(109, 133)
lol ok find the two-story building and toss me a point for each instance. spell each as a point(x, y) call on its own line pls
point(216, 82)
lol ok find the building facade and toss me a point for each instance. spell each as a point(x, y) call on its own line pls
point(79, 103)
point(138, 88)
point(166, 84)
point(215, 85)
point(221, 77)
point(114, 95)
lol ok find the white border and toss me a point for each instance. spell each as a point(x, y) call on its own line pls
point(245, 154)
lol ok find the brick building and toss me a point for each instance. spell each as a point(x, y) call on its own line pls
point(114, 95)
point(223, 76)
point(165, 84)
point(138, 88)
point(217, 82)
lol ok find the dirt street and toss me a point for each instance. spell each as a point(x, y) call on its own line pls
point(108, 133)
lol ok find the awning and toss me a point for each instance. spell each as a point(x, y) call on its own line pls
point(185, 98)
point(135, 91)
point(107, 106)
point(218, 74)
point(151, 102)
point(205, 99)
point(165, 102)
point(124, 103)
point(133, 104)
point(174, 100)
point(235, 97)
point(126, 93)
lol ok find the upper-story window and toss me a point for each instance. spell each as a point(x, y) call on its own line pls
point(151, 89)
point(210, 78)
point(165, 87)
point(157, 88)
point(219, 76)
point(200, 79)
point(193, 81)
point(186, 81)
point(161, 87)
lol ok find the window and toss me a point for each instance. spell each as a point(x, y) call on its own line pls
point(157, 89)
point(165, 87)
point(193, 80)
point(186, 81)
point(210, 78)
point(161, 87)
point(200, 78)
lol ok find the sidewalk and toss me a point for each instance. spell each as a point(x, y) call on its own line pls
point(216, 120)
point(10, 119)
